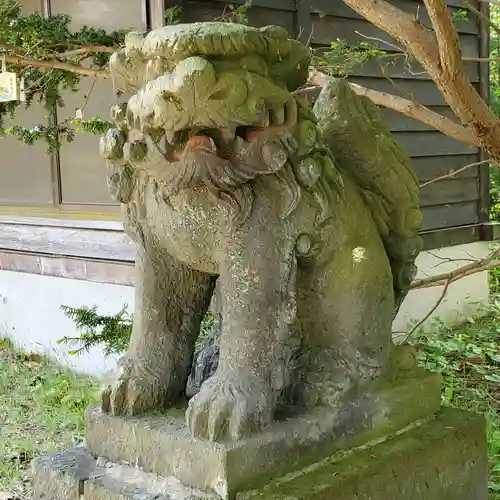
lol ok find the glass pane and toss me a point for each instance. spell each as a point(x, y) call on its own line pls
point(25, 171)
point(83, 171)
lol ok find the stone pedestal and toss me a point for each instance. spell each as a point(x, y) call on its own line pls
point(395, 443)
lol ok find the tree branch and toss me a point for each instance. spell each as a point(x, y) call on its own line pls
point(455, 172)
point(474, 270)
point(488, 262)
point(429, 314)
point(446, 37)
point(458, 91)
point(446, 279)
point(408, 108)
point(72, 68)
point(86, 49)
point(480, 59)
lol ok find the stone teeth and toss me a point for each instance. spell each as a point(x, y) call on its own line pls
point(277, 116)
point(170, 137)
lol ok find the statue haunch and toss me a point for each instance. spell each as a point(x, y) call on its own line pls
point(307, 219)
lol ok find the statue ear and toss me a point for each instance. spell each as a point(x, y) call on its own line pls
point(230, 87)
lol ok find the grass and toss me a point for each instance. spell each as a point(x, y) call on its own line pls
point(41, 410)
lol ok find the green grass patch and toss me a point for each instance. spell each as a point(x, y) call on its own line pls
point(41, 410)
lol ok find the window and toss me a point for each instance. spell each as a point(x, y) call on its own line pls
point(75, 179)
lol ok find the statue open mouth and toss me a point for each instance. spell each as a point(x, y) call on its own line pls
point(229, 141)
point(173, 145)
point(221, 142)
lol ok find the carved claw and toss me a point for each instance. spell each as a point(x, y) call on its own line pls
point(134, 391)
point(229, 408)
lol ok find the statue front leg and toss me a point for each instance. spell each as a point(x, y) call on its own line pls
point(170, 301)
point(259, 309)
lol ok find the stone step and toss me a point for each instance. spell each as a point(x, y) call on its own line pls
point(163, 444)
point(75, 474)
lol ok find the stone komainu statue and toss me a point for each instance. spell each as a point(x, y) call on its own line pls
point(306, 218)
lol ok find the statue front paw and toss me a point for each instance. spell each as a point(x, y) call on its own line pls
point(135, 390)
point(230, 407)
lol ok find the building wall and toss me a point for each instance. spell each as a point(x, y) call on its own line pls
point(31, 316)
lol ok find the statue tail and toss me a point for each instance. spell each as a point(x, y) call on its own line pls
point(363, 148)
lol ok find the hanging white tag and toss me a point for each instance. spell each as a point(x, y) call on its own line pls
point(10, 86)
point(79, 114)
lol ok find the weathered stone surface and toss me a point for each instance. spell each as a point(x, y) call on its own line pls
point(206, 358)
point(61, 475)
point(118, 482)
point(224, 172)
point(70, 474)
point(164, 445)
point(441, 458)
point(444, 459)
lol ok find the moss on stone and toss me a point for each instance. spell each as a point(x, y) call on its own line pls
point(445, 459)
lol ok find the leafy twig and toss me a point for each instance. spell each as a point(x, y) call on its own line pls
point(71, 68)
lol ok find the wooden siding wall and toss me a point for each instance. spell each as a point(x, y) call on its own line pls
point(74, 180)
point(448, 203)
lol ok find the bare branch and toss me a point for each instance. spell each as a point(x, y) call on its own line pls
point(408, 108)
point(455, 172)
point(448, 259)
point(474, 270)
point(375, 39)
point(446, 279)
point(429, 314)
point(479, 265)
point(87, 49)
point(480, 59)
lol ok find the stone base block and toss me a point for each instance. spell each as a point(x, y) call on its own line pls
point(62, 475)
point(75, 474)
point(440, 459)
point(445, 459)
point(163, 444)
